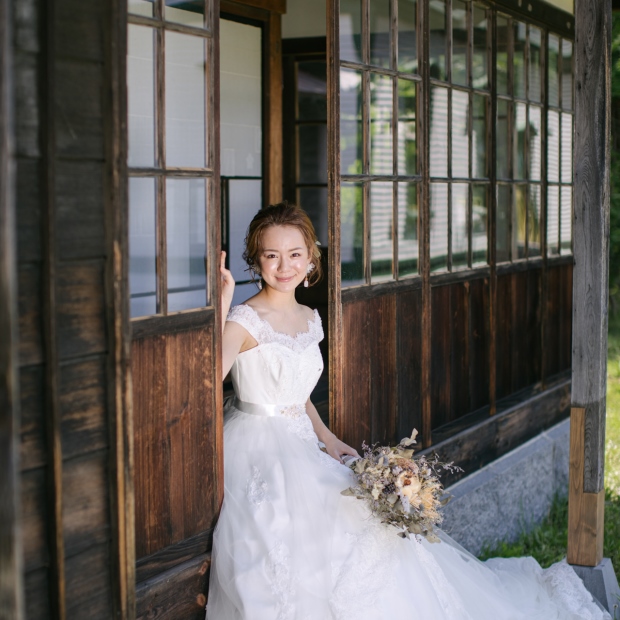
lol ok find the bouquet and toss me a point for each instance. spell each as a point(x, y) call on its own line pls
point(401, 491)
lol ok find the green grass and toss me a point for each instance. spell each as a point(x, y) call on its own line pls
point(547, 542)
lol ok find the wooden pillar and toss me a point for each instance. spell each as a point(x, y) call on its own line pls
point(590, 280)
point(11, 603)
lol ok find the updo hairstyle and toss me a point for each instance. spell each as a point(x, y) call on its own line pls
point(282, 214)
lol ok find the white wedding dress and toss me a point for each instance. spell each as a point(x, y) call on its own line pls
point(289, 546)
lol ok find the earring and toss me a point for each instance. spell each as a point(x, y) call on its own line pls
point(308, 270)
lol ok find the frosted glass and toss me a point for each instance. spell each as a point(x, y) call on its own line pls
point(192, 13)
point(535, 143)
point(408, 217)
point(533, 222)
point(244, 200)
point(460, 198)
point(439, 132)
point(240, 99)
point(479, 225)
point(503, 243)
point(380, 51)
point(140, 7)
point(553, 219)
point(566, 219)
point(351, 143)
point(352, 233)
point(460, 139)
point(142, 247)
point(553, 146)
point(459, 42)
point(381, 97)
point(140, 96)
point(185, 100)
point(381, 254)
point(439, 226)
point(407, 142)
point(351, 30)
point(186, 234)
point(407, 36)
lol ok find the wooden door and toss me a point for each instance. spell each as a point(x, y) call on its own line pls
point(174, 245)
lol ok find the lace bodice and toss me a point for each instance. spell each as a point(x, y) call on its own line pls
point(281, 369)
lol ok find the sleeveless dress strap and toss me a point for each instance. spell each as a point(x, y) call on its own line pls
point(248, 319)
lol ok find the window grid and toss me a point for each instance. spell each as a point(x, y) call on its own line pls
point(166, 24)
point(384, 171)
point(453, 85)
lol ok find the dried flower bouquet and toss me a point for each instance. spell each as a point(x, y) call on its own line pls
point(401, 491)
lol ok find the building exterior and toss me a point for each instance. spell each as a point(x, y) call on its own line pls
point(432, 144)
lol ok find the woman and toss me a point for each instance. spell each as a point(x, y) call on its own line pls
point(288, 545)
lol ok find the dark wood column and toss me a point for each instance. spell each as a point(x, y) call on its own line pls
point(590, 280)
point(11, 586)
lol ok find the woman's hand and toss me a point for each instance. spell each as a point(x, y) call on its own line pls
point(336, 448)
point(228, 287)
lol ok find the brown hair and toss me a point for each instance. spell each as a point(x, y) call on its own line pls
point(282, 214)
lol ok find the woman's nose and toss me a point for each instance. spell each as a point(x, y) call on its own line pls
point(283, 264)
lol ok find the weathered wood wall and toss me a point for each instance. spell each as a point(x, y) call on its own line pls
point(72, 337)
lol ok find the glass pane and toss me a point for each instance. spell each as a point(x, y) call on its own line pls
point(479, 138)
point(438, 44)
point(186, 233)
point(244, 200)
point(567, 148)
point(380, 52)
point(518, 59)
point(533, 222)
point(185, 100)
point(567, 75)
point(480, 64)
point(479, 230)
point(140, 96)
point(381, 96)
point(553, 146)
point(312, 91)
point(460, 139)
point(407, 144)
point(352, 233)
point(240, 99)
point(554, 80)
point(553, 219)
point(408, 218)
point(534, 64)
point(140, 7)
point(535, 154)
point(460, 198)
point(313, 200)
point(503, 140)
point(566, 219)
point(459, 42)
point(407, 36)
point(142, 247)
point(351, 146)
point(501, 61)
point(519, 211)
point(381, 245)
point(439, 132)
point(312, 156)
point(519, 141)
point(439, 227)
point(503, 238)
point(351, 30)
point(191, 14)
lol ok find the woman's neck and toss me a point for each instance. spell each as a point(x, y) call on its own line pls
point(277, 300)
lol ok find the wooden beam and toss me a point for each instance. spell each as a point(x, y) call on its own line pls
point(585, 510)
point(590, 277)
point(11, 586)
point(272, 112)
point(123, 580)
point(57, 585)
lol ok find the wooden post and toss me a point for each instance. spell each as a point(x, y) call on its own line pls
point(11, 587)
point(590, 281)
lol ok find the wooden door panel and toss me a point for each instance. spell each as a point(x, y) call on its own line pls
point(175, 428)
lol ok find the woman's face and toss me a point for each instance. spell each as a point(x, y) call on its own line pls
point(284, 259)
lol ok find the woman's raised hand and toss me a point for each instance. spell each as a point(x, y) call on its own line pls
point(228, 287)
point(336, 448)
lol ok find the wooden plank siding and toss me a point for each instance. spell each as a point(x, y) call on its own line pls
point(72, 330)
point(174, 455)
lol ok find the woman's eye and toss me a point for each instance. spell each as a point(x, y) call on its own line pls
point(296, 255)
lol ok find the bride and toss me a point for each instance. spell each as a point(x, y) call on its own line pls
point(288, 545)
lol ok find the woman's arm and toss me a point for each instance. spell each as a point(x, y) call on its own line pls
point(228, 288)
point(335, 448)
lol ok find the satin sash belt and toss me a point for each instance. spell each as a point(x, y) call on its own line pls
point(268, 410)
